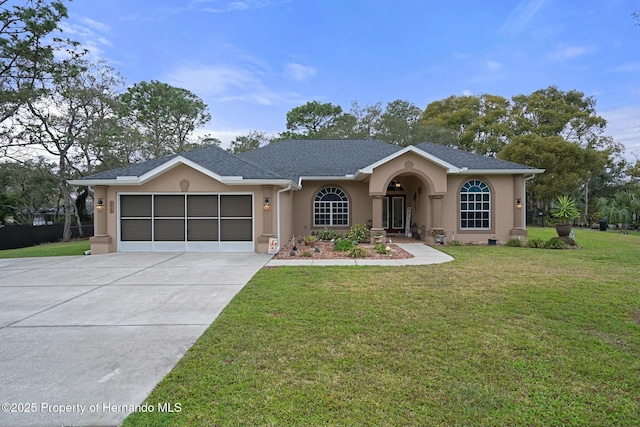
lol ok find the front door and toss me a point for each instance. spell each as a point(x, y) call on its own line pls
point(393, 212)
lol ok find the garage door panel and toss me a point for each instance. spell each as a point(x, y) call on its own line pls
point(168, 206)
point(168, 230)
point(236, 230)
point(202, 230)
point(235, 206)
point(135, 230)
point(131, 206)
point(202, 206)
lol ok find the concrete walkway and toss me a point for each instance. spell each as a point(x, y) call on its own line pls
point(85, 339)
point(422, 253)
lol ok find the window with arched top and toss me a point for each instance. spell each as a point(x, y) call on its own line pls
point(475, 205)
point(331, 208)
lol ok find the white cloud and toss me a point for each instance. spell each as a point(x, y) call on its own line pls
point(629, 67)
point(86, 32)
point(299, 72)
point(569, 52)
point(520, 16)
point(493, 65)
point(227, 83)
point(623, 124)
point(467, 92)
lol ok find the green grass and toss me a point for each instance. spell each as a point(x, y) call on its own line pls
point(501, 336)
point(76, 247)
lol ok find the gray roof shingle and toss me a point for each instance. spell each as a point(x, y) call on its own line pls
point(465, 159)
point(292, 159)
point(211, 157)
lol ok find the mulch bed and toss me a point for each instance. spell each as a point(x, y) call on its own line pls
point(327, 252)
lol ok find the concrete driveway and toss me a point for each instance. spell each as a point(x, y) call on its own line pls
point(84, 339)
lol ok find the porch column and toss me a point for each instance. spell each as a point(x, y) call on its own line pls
point(101, 241)
point(436, 211)
point(376, 216)
point(519, 209)
point(100, 211)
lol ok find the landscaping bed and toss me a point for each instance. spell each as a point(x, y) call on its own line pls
point(325, 251)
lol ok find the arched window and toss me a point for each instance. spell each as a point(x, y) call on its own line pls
point(475, 205)
point(331, 207)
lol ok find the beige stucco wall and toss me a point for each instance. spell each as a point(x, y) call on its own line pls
point(359, 205)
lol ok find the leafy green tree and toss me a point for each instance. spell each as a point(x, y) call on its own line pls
point(313, 118)
point(26, 187)
point(65, 123)
point(165, 116)
point(567, 165)
point(27, 48)
point(253, 140)
point(479, 122)
point(620, 208)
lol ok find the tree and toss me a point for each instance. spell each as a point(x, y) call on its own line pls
point(567, 165)
point(26, 187)
point(400, 124)
point(253, 140)
point(67, 121)
point(479, 122)
point(165, 116)
point(311, 119)
point(27, 50)
point(620, 208)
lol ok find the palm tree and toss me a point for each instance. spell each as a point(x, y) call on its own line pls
point(620, 208)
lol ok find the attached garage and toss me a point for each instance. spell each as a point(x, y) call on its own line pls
point(179, 222)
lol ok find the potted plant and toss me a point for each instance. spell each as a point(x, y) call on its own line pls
point(309, 240)
point(565, 211)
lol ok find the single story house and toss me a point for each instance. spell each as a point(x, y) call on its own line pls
point(211, 200)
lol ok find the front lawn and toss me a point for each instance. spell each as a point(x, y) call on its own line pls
point(500, 336)
point(75, 247)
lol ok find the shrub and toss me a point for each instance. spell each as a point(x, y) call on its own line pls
point(306, 254)
point(342, 245)
point(555, 243)
point(358, 233)
point(514, 243)
point(358, 252)
point(455, 243)
point(536, 243)
point(380, 248)
point(327, 234)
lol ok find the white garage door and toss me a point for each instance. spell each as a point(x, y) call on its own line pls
point(185, 222)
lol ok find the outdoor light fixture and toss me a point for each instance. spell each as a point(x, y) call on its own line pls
point(267, 204)
point(100, 205)
point(398, 185)
point(518, 204)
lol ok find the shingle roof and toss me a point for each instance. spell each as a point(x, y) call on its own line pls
point(211, 157)
point(292, 159)
point(465, 159)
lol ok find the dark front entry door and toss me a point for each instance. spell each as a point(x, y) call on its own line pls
point(393, 213)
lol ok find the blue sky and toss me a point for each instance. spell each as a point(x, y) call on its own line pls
point(252, 61)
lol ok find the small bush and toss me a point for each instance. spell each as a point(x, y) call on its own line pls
point(380, 248)
point(358, 233)
point(306, 254)
point(342, 245)
point(455, 243)
point(327, 234)
point(358, 252)
point(514, 243)
point(555, 243)
point(536, 243)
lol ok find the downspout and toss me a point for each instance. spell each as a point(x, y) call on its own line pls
point(524, 211)
point(278, 213)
